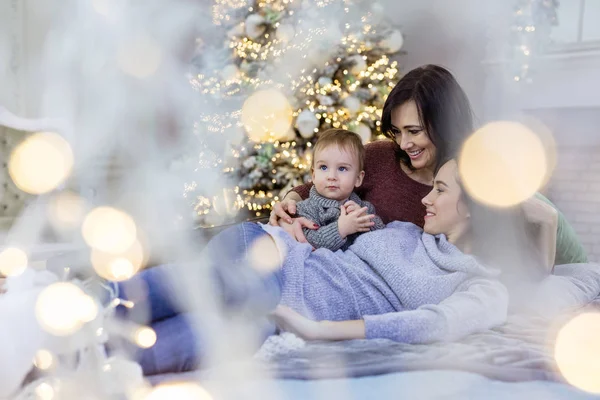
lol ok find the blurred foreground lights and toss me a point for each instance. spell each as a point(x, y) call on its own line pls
point(179, 391)
point(264, 255)
point(13, 261)
point(62, 308)
point(502, 164)
point(267, 114)
point(577, 352)
point(44, 391)
point(144, 337)
point(40, 163)
point(120, 267)
point(66, 210)
point(109, 230)
point(139, 56)
point(43, 359)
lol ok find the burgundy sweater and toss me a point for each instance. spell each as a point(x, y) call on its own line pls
point(396, 197)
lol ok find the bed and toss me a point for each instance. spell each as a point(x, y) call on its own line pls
point(514, 360)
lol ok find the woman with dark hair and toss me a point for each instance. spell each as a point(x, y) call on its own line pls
point(428, 117)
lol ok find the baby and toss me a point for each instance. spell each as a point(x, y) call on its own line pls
point(336, 170)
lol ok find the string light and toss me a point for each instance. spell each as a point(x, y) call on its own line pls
point(530, 33)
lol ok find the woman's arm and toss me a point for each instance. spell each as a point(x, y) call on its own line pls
point(478, 305)
point(544, 219)
point(290, 321)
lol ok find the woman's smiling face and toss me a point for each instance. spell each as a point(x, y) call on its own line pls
point(446, 211)
point(412, 136)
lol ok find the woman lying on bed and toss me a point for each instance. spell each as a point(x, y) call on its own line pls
point(400, 283)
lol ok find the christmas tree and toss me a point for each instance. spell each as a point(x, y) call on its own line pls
point(282, 72)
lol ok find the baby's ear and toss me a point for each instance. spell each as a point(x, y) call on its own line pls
point(359, 178)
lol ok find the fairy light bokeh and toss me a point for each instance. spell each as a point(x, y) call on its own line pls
point(119, 266)
point(13, 261)
point(179, 390)
point(577, 351)
point(40, 163)
point(144, 337)
point(503, 164)
point(109, 230)
point(43, 359)
point(62, 309)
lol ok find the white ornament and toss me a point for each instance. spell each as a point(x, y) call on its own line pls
point(255, 26)
point(230, 72)
point(324, 81)
point(325, 100)
point(352, 104)
point(285, 33)
point(306, 123)
point(393, 42)
point(358, 64)
point(364, 132)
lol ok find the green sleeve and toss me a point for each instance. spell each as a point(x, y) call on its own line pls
point(569, 249)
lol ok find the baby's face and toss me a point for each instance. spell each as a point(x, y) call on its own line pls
point(336, 173)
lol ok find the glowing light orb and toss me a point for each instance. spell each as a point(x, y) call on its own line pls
point(88, 309)
point(139, 56)
point(43, 359)
point(109, 230)
point(44, 391)
point(62, 308)
point(577, 352)
point(180, 391)
point(502, 164)
point(119, 267)
point(264, 255)
point(145, 337)
point(13, 261)
point(40, 163)
point(66, 210)
point(267, 114)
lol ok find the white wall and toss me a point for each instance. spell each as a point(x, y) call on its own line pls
point(11, 54)
point(456, 34)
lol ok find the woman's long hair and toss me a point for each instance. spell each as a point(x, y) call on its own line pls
point(444, 109)
point(500, 238)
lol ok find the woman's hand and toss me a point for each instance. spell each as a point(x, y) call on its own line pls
point(280, 216)
point(284, 209)
point(289, 320)
point(295, 228)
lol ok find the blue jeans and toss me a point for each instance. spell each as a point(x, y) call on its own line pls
point(176, 348)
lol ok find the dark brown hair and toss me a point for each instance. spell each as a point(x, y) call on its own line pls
point(444, 110)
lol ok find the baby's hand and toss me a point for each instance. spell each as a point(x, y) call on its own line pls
point(351, 206)
point(355, 221)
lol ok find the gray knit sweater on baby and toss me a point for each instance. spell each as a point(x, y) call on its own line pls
point(405, 284)
point(325, 213)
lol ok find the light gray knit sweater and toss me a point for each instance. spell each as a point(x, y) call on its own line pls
point(325, 213)
point(405, 284)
